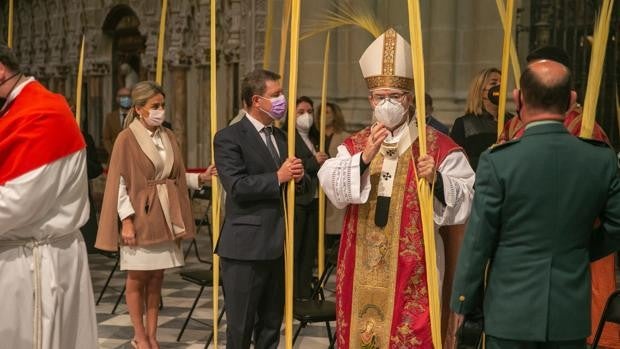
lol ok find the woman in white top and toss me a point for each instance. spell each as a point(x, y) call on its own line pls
point(146, 189)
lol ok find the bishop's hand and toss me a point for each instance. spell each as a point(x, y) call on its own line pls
point(378, 133)
point(426, 168)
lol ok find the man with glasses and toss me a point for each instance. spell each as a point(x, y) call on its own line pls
point(381, 285)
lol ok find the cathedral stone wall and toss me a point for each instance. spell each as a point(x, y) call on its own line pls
point(461, 37)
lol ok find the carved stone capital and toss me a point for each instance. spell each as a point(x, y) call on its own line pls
point(97, 68)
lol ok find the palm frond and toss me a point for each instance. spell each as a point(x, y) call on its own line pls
point(360, 15)
point(595, 73)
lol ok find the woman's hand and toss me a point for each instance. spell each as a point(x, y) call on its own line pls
point(321, 157)
point(207, 175)
point(128, 232)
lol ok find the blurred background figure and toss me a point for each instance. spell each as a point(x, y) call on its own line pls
point(430, 119)
point(115, 119)
point(129, 74)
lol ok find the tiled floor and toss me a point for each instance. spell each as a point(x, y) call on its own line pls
point(115, 330)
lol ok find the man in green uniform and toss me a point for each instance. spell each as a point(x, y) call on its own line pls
point(535, 204)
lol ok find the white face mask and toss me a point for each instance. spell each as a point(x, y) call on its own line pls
point(304, 122)
point(156, 117)
point(389, 113)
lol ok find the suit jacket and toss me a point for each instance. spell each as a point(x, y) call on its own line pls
point(253, 228)
point(311, 167)
point(111, 129)
point(536, 202)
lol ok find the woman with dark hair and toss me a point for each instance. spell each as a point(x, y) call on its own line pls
point(306, 205)
point(477, 129)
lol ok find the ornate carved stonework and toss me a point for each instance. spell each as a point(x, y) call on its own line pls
point(22, 41)
point(236, 18)
point(178, 36)
point(201, 29)
point(40, 38)
point(57, 33)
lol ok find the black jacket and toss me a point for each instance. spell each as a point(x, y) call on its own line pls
point(253, 227)
point(311, 168)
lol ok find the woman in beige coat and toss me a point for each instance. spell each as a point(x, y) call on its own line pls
point(146, 189)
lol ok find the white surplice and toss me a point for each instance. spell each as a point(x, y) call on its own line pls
point(47, 205)
point(343, 184)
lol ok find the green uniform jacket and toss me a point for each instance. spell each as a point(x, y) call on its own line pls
point(535, 204)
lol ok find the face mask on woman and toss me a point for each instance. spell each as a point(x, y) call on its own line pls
point(156, 117)
point(304, 122)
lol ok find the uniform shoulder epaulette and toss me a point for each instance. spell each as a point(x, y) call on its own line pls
point(595, 142)
point(498, 146)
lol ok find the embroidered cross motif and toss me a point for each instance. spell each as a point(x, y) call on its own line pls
point(390, 152)
point(386, 176)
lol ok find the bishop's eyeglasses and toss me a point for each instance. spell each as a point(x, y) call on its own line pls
point(377, 98)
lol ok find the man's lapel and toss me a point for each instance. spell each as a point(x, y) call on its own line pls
point(280, 137)
point(256, 141)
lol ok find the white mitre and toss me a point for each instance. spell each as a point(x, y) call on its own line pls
point(386, 63)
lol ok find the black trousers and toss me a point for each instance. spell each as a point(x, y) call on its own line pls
point(254, 302)
point(306, 245)
point(500, 343)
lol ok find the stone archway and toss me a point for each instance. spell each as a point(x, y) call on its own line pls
point(122, 25)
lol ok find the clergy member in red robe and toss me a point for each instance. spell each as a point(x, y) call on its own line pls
point(47, 296)
point(381, 292)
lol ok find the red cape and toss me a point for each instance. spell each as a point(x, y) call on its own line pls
point(514, 128)
point(36, 129)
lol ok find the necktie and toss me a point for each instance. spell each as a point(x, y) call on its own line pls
point(272, 150)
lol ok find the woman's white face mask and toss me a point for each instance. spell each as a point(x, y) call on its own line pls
point(389, 112)
point(304, 122)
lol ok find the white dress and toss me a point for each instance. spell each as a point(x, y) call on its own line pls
point(159, 256)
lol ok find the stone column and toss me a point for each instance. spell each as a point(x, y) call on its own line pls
point(95, 107)
point(61, 81)
point(203, 122)
point(179, 113)
point(440, 57)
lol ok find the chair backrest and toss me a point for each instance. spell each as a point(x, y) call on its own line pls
point(330, 266)
point(203, 194)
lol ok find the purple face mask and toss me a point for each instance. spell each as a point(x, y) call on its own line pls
point(278, 107)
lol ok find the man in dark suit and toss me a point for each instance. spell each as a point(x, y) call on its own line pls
point(535, 204)
point(254, 167)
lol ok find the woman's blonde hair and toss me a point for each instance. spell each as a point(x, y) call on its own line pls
point(140, 94)
point(474, 97)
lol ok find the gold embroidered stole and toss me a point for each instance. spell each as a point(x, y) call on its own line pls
point(376, 262)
